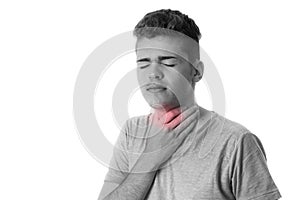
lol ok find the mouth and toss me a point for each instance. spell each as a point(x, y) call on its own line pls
point(154, 88)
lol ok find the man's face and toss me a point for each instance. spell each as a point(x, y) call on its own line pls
point(165, 77)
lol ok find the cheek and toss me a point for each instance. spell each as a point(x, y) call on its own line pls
point(141, 77)
point(181, 76)
point(188, 73)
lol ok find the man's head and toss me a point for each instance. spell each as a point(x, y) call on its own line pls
point(168, 20)
point(168, 58)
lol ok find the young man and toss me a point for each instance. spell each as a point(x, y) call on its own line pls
point(182, 151)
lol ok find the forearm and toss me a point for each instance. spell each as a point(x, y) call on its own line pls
point(134, 187)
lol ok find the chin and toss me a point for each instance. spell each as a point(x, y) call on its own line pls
point(166, 106)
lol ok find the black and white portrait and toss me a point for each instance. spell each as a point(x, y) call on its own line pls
point(149, 100)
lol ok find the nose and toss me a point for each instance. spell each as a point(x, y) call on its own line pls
point(155, 73)
point(155, 76)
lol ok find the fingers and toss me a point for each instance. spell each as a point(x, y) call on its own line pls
point(169, 116)
point(162, 117)
point(181, 117)
point(181, 135)
point(186, 122)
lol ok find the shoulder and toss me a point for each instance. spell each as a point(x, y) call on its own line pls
point(135, 128)
point(137, 122)
point(231, 130)
point(240, 136)
point(226, 135)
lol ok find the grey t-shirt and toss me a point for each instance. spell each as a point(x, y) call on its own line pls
point(219, 159)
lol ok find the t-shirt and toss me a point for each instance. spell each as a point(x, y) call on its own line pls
point(219, 159)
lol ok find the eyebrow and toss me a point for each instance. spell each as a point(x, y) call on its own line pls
point(160, 58)
point(143, 60)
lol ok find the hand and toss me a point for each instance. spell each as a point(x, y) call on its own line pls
point(165, 134)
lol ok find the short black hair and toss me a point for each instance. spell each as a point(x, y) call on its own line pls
point(166, 19)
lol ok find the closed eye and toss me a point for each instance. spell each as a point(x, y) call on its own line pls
point(169, 61)
point(169, 65)
point(143, 65)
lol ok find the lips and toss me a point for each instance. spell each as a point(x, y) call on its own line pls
point(154, 87)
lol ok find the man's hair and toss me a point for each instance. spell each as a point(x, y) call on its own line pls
point(160, 21)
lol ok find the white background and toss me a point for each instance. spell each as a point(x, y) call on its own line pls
point(254, 45)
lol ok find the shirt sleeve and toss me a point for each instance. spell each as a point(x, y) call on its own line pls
point(118, 166)
point(250, 177)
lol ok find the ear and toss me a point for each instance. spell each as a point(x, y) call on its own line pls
point(199, 69)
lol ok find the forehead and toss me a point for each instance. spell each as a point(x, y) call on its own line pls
point(163, 46)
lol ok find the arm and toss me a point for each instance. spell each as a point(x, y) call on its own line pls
point(159, 148)
point(135, 186)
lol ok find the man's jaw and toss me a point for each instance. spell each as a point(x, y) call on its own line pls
point(154, 88)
